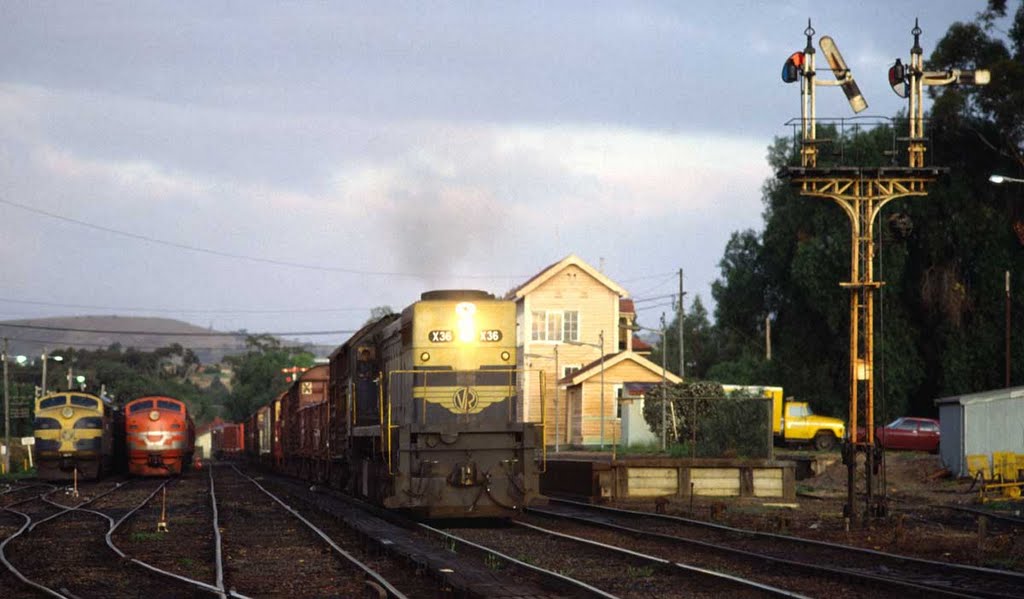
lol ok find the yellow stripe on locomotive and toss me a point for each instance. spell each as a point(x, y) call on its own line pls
point(464, 399)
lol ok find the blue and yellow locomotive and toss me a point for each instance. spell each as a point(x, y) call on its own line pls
point(74, 431)
point(429, 414)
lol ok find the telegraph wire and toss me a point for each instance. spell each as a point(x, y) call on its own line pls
point(646, 277)
point(653, 298)
point(225, 348)
point(183, 311)
point(257, 259)
point(169, 334)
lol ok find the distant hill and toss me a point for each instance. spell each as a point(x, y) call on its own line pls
point(142, 333)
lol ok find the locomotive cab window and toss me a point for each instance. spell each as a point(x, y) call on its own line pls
point(83, 401)
point(141, 406)
point(52, 402)
point(168, 405)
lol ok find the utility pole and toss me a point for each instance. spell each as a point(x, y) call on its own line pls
point(664, 390)
point(1007, 329)
point(7, 416)
point(682, 315)
point(558, 418)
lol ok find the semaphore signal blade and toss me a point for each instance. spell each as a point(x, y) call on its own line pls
point(843, 74)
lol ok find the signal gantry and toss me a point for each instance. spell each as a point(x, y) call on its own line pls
point(862, 191)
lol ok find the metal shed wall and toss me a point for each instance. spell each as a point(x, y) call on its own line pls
point(951, 438)
point(980, 423)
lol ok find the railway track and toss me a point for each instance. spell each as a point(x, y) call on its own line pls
point(843, 568)
point(313, 565)
point(602, 569)
point(57, 551)
point(418, 563)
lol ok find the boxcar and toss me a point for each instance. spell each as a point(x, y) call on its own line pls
point(306, 424)
point(227, 440)
point(160, 436)
point(75, 432)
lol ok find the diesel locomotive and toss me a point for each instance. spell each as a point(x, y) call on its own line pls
point(76, 432)
point(160, 436)
point(417, 411)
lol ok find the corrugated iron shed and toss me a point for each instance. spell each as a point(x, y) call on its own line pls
point(980, 424)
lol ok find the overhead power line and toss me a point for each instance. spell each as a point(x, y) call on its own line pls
point(169, 334)
point(184, 311)
point(193, 248)
point(653, 298)
point(51, 342)
point(646, 277)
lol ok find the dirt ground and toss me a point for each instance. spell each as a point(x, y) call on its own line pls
point(919, 521)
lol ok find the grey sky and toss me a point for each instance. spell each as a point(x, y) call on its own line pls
point(473, 143)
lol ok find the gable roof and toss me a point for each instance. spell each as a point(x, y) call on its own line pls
point(594, 368)
point(550, 271)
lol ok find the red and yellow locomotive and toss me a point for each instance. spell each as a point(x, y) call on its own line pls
point(160, 435)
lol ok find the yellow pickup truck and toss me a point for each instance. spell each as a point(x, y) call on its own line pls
point(794, 422)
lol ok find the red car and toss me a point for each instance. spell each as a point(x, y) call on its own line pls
point(920, 434)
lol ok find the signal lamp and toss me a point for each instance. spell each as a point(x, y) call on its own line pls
point(425, 357)
point(898, 79)
point(506, 356)
point(791, 70)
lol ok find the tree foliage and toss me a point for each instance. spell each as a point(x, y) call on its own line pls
point(698, 415)
point(126, 374)
point(257, 374)
point(940, 317)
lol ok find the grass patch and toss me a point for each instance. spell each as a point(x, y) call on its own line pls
point(148, 536)
point(494, 562)
point(15, 476)
point(640, 571)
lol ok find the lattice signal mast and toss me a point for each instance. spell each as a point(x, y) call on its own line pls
point(861, 192)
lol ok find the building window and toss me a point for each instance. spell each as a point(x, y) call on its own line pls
point(555, 325)
point(538, 322)
point(571, 326)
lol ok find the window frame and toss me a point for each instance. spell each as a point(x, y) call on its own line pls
point(543, 325)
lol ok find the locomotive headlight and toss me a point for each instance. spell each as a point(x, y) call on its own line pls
point(67, 412)
point(506, 356)
point(154, 415)
point(425, 357)
point(466, 315)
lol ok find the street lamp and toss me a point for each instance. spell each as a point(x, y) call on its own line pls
point(600, 346)
point(46, 357)
point(7, 415)
point(999, 180)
